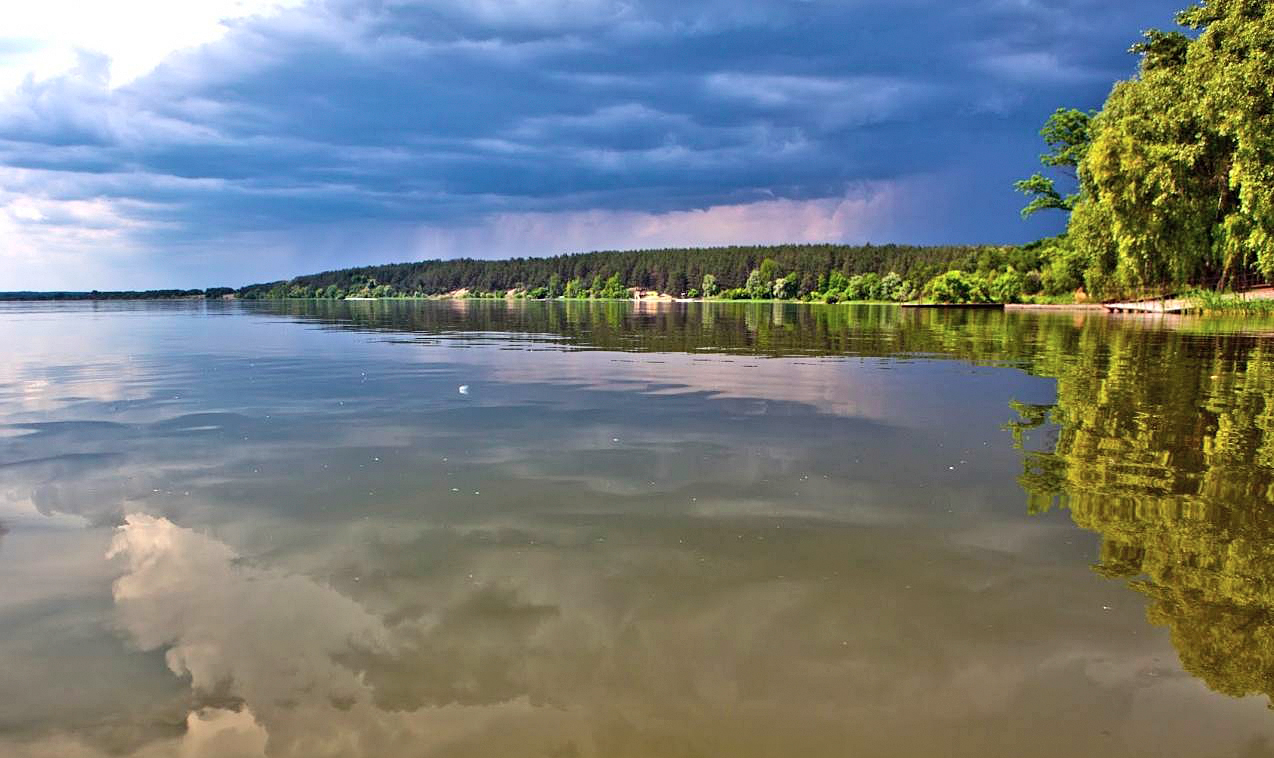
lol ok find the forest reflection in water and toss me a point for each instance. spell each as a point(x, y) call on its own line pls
point(1164, 448)
point(739, 529)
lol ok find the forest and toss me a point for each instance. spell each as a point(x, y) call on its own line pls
point(828, 273)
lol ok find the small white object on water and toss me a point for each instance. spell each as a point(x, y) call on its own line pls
point(464, 389)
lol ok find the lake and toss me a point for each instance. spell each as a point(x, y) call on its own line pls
point(568, 529)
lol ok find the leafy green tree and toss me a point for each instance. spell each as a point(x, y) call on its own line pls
point(710, 287)
point(769, 271)
point(870, 285)
point(956, 287)
point(1177, 186)
point(613, 289)
point(1007, 287)
point(891, 287)
point(756, 285)
point(1068, 133)
point(785, 288)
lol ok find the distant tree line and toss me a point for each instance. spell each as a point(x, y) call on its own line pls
point(171, 294)
point(828, 273)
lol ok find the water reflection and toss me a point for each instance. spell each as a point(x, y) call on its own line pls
point(744, 531)
point(1164, 448)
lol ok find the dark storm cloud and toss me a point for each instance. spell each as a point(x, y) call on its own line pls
point(392, 117)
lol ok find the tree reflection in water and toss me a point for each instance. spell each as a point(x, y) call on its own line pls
point(1163, 446)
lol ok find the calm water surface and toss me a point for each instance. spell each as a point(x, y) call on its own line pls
point(572, 529)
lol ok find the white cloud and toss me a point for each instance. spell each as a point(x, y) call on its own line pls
point(136, 35)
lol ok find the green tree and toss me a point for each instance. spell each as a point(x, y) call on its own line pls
point(710, 287)
point(769, 271)
point(757, 286)
point(892, 287)
point(614, 289)
point(1177, 186)
point(1068, 133)
point(956, 287)
point(785, 288)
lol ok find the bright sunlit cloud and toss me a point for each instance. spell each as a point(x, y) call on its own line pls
point(46, 38)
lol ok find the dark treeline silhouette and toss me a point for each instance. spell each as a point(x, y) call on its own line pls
point(672, 271)
point(173, 294)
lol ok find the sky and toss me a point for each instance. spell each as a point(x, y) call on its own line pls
point(147, 143)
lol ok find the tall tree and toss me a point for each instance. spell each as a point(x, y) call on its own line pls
point(1177, 186)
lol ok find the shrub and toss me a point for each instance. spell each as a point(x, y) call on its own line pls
point(956, 287)
point(786, 287)
point(892, 287)
point(1007, 287)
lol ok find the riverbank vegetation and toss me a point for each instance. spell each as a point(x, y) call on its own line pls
point(811, 273)
point(1175, 174)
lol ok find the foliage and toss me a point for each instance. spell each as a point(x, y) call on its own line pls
point(1177, 186)
point(1068, 133)
point(785, 287)
point(1007, 287)
point(613, 289)
point(670, 270)
point(1211, 301)
point(957, 287)
point(710, 287)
